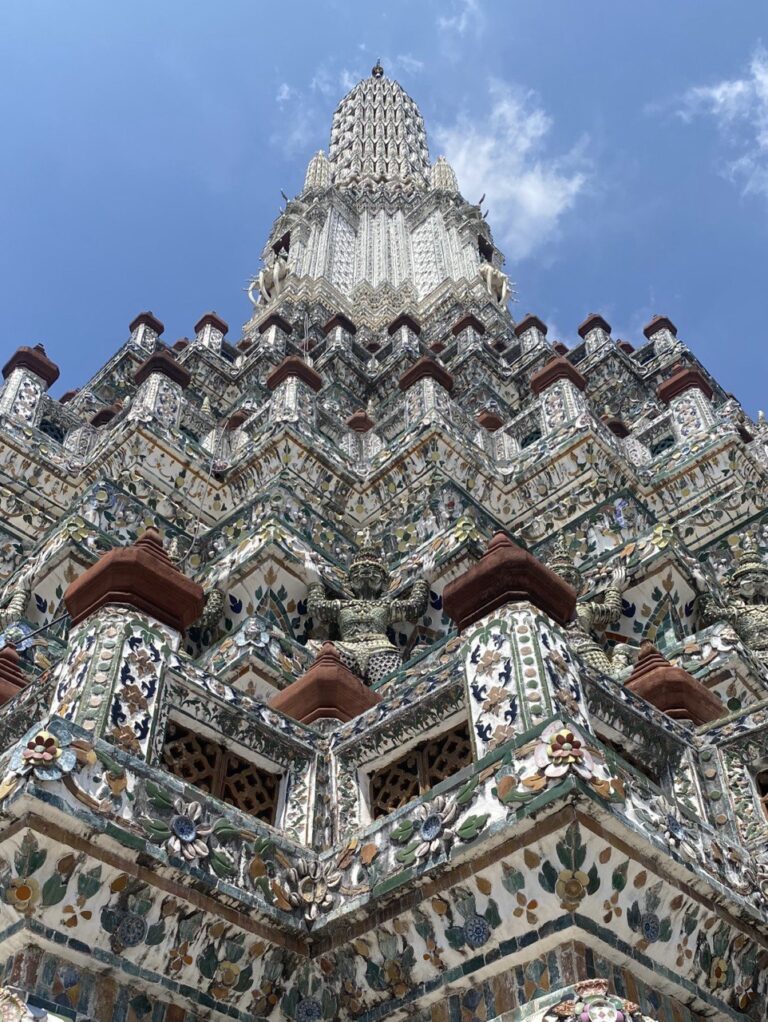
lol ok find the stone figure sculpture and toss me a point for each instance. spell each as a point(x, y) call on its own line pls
point(363, 619)
point(270, 281)
point(593, 616)
point(743, 603)
point(496, 282)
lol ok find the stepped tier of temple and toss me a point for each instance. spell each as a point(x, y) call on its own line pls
point(392, 661)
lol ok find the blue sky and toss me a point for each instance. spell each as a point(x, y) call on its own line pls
point(623, 149)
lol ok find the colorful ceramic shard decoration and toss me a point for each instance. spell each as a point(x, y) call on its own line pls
point(391, 661)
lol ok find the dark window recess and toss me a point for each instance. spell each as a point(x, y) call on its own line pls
point(641, 765)
point(212, 768)
point(419, 770)
point(485, 248)
point(531, 438)
point(662, 445)
point(52, 429)
point(283, 245)
point(761, 783)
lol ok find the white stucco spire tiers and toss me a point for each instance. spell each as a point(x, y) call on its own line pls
point(378, 137)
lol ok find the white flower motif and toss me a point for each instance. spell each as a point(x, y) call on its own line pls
point(188, 838)
point(433, 826)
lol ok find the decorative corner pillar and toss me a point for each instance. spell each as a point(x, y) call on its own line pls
point(273, 336)
point(339, 332)
point(512, 610)
point(531, 332)
point(405, 332)
point(560, 388)
point(145, 332)
point(672, 690)
point(360, 441)
point(689, 397)
point(468, 333)
point(663, 333)
point(427, 386)
point(327, 690)
point(128, 612)
point(635, 449)
point(595, 332)
point(28, 374)
point(161, 380)
point(294, 384)
point(210, 331)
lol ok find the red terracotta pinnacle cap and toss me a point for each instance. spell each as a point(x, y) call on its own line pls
point(34, 359)
point(293, 366)
point(659, 323)
point(278, 321)
point(339, 320)
point(468, 321)
point(67, 396)
point(616, 425)
point(530, 321)
point(360, 421)
point(141, 576)
point(507, 574)
point(489, 420)
point(680, 381)
point(671, 689)
point(326, 689)
point(163, 362)
point(215, 321)
point(105, 415)
point(559, 348)
point(426, 368)
point(146, 319)
point(558, 368)
point(594, 321)
point(12, 678)
point(626, 346)
point(236, 420)
point(404, 320)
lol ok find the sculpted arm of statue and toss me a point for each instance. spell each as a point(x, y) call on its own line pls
point(319, 607)
point(414, 605)
point(710, 608)
point(601, 615)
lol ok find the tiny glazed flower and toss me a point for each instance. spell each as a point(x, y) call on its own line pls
point(188, 838)
point(718, 972)
point(228, 973)
point(44, 753)
point(178, 957)
point(561, 749)
point(497, 696)
point(23, 893)
point(571, 886)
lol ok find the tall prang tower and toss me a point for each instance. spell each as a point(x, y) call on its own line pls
point(392, 663)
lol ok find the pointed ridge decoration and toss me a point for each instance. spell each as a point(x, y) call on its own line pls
point(672, 689)
point(140, 576)
point(12, 678)
point(327, 689)
point(507, 574)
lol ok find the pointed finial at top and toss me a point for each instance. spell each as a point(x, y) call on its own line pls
point(377, 70)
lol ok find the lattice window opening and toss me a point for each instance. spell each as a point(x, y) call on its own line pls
point(418, 771)
point(203, 763)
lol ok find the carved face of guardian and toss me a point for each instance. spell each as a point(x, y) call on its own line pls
point(367, 580)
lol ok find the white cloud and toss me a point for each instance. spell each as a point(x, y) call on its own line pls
point(502, 155)
point(739, 108)
point(284, 93)
point(467, 18)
